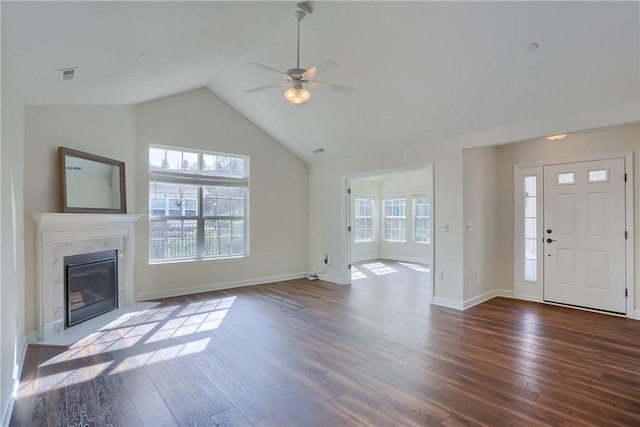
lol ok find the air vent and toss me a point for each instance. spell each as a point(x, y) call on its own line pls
point(319, 150)
point(67, 74)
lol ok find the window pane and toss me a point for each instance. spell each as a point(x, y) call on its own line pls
point(530, 270)
point(224, 237)
point(530, 207)
point(224, 201)
point(173, 239)
point(565, 178)
point(225, 166)
point(598, 176)
point(530, 248)
point(173, 199)
point(530, 228)
point(530, 186)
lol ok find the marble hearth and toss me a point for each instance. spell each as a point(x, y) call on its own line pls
point(63, 234)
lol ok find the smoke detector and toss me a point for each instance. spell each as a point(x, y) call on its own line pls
point(65, 74)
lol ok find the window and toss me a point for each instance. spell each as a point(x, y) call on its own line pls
point(421, 218)
point(530, 229)
point(601, 175)
point(566, 178)
point(364, 208)
point(198, 204)
point(395, 227)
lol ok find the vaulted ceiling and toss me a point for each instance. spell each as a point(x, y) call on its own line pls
point(422, 71)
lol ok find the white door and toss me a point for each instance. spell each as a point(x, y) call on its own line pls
point(584, 234)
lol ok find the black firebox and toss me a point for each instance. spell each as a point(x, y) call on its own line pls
point(91, 285)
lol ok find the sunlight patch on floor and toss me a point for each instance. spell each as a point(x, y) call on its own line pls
point(148, 332)
point(357, 274)
point(379, 268)
point(416, 267)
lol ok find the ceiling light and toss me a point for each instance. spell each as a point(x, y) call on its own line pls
point(297, 95)
point(557, 137)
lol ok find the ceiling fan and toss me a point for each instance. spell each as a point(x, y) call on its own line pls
point(298, 77)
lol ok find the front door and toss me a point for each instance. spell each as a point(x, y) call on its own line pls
point(584, 234)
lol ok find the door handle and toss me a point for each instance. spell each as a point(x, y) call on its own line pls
point(550, 240)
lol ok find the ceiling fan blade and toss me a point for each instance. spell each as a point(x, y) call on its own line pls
point(265, 67)
point(258, 89)
point(345, 90)
point(322, 67)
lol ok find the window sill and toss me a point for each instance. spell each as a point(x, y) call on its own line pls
point(201, 260)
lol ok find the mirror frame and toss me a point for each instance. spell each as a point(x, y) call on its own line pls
point(62, 169)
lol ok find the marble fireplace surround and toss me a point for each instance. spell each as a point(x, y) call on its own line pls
point(62, 234)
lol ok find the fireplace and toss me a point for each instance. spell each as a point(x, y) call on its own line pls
point(91, 285)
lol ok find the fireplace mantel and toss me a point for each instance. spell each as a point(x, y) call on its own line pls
point(62, 234)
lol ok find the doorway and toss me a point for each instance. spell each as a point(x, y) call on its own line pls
point(388, 227)
point(572, 229)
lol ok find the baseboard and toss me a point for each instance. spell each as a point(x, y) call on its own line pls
point(332, 279)
point(450, 303)
point(364, 258)
point(7, 411)
point(405, 259)
point(217, 286)
point(487, 296)
point(636, 315)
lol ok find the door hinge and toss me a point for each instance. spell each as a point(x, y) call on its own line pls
point(349, 190)
point(625, 177)
point(626, 292)
point(349, 228)
point(349, 267)
point(626, 235)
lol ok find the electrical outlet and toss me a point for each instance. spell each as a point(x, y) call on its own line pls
point(326, 259)
point(329, 259)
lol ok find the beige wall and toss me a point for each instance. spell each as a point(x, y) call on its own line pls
point(108, 131)
point(12, 312)
point(480, 221)
point(617, 139)
point(278, 195)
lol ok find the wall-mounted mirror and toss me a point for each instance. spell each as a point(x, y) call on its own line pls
point(90, 183)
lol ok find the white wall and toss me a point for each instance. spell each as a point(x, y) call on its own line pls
point(12, 313)
point(480, 214)
point(278, 195)
point(108, 131)
point(362, 251)
point(405, 184)
point(617, 139)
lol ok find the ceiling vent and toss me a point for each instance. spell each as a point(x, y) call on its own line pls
point(65, 74)
point(319, 150)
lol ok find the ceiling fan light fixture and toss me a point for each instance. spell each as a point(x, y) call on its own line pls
point(297, 95)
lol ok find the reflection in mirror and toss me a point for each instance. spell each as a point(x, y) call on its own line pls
point(90, 183)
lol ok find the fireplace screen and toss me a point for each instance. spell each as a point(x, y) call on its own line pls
point(91, 285)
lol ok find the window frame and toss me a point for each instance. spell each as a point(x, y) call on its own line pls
point(371, 218)
point(197, 177)
point(385, 217)
point(416, 217)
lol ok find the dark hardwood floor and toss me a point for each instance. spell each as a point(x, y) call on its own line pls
point(302, 353)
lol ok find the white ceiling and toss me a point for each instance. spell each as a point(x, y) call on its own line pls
point(421, 70)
